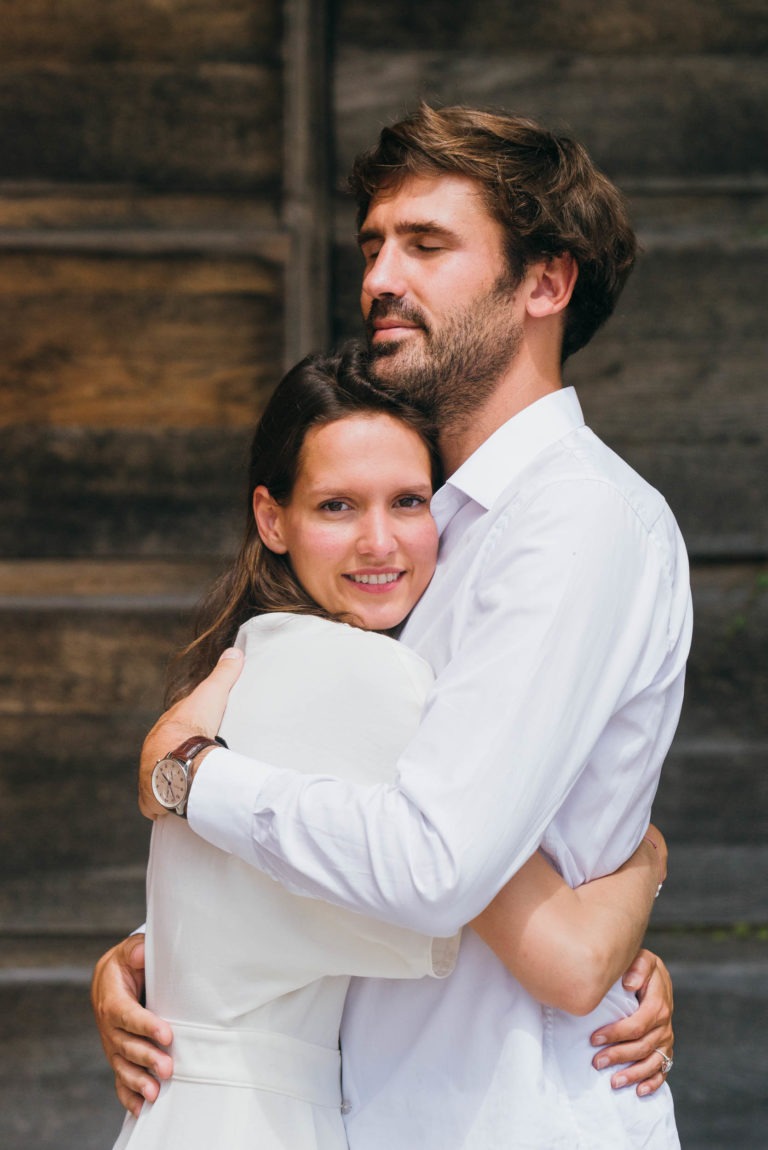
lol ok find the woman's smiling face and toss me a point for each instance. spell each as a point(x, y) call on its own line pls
point(357, 528)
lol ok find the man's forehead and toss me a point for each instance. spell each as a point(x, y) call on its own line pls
point(428, 197)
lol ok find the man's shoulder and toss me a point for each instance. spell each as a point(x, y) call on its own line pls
point(583, 472)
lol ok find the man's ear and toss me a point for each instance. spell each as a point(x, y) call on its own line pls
point(269, 520)
point(554, 281)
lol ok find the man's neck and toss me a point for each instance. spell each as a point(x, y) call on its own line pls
point(459, 440)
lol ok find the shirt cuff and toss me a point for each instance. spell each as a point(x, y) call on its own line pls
point(223, 797)
point(445, 952)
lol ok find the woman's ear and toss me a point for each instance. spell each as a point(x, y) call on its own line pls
point(555, 279)
point(269, 520)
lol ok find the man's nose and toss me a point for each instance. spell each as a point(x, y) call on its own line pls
point(386, 274)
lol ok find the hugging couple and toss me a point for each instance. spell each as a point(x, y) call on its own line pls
point(457, 629)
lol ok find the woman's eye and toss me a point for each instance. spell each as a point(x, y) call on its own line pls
point(411, 501)
point(334, 505)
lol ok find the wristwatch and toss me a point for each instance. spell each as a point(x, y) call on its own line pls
point(170, 776)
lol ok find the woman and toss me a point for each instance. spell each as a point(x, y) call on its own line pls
point(339, 546)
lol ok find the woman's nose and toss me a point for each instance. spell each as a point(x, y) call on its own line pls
point(376, 536)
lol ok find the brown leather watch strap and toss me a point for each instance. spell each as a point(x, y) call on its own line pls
point(186, 753)
point(192, 747)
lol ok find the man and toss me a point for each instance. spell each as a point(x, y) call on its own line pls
point(558, 625)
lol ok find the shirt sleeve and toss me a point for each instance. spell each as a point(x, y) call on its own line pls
point(555, 634)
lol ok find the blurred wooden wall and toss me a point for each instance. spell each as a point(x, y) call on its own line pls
point(172, 235)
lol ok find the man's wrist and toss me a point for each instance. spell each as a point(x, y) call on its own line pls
point(173, 774)
point(199, 758)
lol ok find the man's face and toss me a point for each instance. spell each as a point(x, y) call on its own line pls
point(437, 297)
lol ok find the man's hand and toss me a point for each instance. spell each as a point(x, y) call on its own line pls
point(639, 1038)
point(200, 713)
point(130, 1035)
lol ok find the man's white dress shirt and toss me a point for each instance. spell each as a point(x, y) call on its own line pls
point(558, 624)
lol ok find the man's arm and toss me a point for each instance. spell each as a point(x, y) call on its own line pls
point(512, 721)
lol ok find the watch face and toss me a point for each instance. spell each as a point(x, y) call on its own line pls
point(169, 782)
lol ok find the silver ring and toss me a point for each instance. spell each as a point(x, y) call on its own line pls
point(666, 1061)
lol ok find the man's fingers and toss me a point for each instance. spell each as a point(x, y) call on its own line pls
point(141, 1054)
point(128, 1031)
point(222, 679)
point(139, 1023)
point(201, 711)
point(128, 1099)
point(130, 1079)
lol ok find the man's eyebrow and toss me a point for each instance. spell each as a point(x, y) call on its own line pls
point(409, 228)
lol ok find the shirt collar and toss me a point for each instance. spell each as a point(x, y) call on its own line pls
point(504, 454)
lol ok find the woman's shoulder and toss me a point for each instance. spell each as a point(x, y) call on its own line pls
point(297, 638)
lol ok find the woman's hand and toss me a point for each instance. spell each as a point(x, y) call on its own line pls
point(639, 1038)
point(131, 1036)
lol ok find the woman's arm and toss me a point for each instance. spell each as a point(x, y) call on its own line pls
point(568, 947)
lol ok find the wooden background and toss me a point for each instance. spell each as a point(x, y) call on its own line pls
point(172, 235)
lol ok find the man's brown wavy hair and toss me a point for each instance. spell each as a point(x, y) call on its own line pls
point(542, 188)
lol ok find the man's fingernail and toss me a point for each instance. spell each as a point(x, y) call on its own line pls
point(230, 653)
point(599, 1040)
point(633, 982)
point(601, 1062)
point(641, 1090)
point(619, 1082)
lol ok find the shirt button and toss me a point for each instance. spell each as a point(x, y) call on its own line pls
point(346, 1106)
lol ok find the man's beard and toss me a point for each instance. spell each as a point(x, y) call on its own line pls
point(452, 372)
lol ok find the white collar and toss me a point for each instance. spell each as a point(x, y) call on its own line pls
point(504, 454)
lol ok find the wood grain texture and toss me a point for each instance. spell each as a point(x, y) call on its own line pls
point(70, 781)
point(201, 128)
point(714, 791)
point(40, 31)
point(76, 492)
point(707, 887)
point(497, 26)
point(727, 682)
point(118, 340)
point(641, 115)
point(84, 581)
point(87, 663)
point(89, 208)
